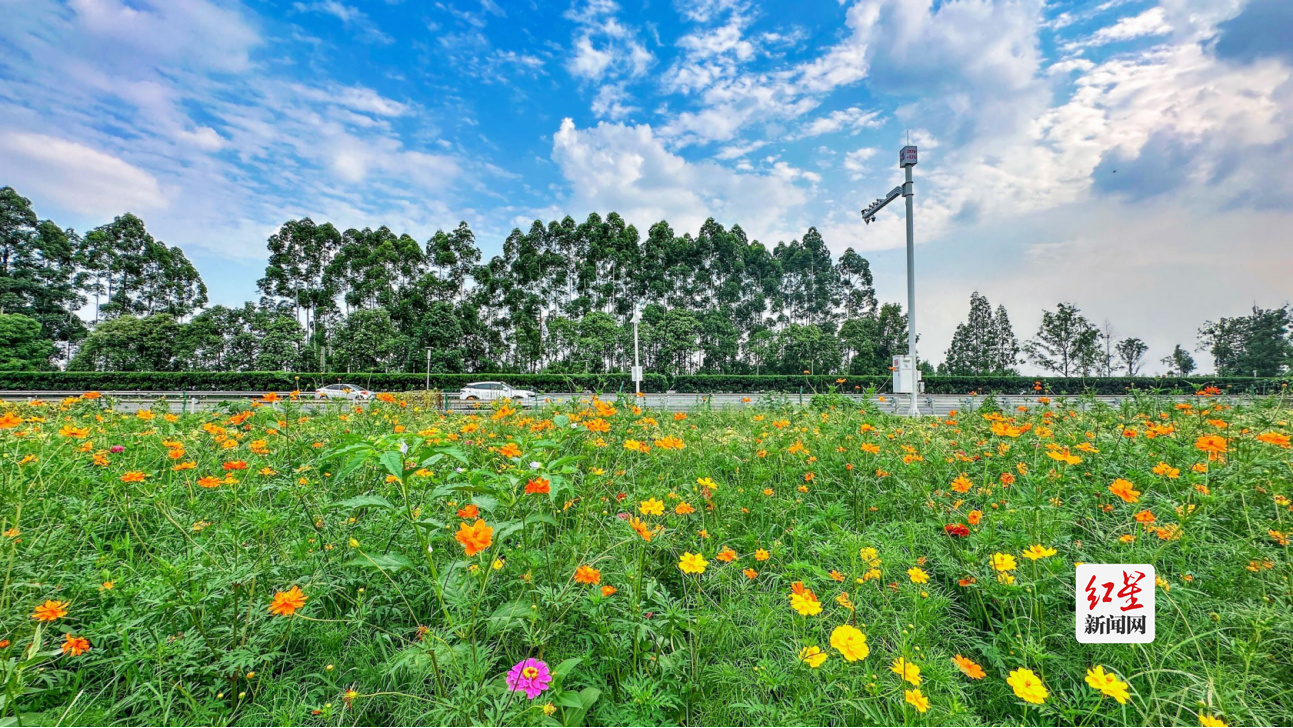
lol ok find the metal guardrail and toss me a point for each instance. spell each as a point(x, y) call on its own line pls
point(928, 404)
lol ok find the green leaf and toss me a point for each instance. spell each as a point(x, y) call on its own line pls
point(393, 461)
point(366, 501)
point(565, 667)
point(389, 563)
point(589, 696)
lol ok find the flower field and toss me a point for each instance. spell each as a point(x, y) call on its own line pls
point(278, 562)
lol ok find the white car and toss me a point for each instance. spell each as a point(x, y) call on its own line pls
point(489, 391)
point(343, 391)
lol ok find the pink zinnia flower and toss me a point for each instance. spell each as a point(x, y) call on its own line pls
point(529, 676)
point(118, 448)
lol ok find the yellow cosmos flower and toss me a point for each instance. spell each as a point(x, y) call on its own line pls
point(812, 656)
point(692, 563)
point(1027, 686)
point(850, 642)
point(1037, 551)
point(907, 671)
point(916, 700)
point(1003, 562)
point(1108, 684)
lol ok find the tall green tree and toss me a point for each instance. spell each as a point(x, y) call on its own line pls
point(1255, 345)
point(38, 269)
point(139, 275)
point(1066, 342)
point(984, 344)
point(300, 253)
point(1179, 362)
point(1131, 354)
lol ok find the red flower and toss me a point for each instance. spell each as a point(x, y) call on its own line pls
point(958, 530)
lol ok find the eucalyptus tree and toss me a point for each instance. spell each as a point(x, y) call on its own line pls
point(39, 276)
point(300, 253)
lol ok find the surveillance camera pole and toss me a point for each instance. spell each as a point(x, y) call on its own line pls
point(906, 160)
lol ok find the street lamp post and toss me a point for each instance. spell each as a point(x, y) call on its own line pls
point(428, 369)
point(906, 160)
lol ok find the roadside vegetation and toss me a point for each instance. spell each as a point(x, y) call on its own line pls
point(595, 563)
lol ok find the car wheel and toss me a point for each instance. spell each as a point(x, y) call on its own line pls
point(471, 397)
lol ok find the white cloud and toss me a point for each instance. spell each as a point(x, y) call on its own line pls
point(603, 47)
point(856, 161)
point(854, 118)
point(349, 15)
point(627, 169)
point(193, 32)
point(75, 176)
point(1149, 23)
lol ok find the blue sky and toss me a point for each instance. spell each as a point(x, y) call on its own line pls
point(1130, 156)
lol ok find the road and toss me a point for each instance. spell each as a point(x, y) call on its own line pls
point(934, 404)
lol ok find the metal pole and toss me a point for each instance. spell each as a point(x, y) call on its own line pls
point(637, 377)
point(428, 387)
point(909, 193)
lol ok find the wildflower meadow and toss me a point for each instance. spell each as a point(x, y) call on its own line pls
point(592, 562)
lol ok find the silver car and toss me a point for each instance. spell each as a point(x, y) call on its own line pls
point(343, 391)
point(489, 391)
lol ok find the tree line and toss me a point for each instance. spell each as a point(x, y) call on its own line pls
point(558, 299)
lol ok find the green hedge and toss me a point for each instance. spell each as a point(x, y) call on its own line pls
point(612, 383)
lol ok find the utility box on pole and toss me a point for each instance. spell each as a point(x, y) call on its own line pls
point(905, 375)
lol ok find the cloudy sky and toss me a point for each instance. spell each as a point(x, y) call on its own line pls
point(1134, 157)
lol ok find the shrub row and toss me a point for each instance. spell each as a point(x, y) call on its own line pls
point(612, 383)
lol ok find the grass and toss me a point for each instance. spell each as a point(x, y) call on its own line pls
point(170, 570)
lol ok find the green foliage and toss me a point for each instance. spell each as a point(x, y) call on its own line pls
point(130, 344)
point(252, 381)
point(984, 344)
point(1260, 344)
point(22, 344)
point(1066, 342)
point(138, 275)
point(171, 578)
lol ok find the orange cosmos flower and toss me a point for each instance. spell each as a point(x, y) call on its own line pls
point(670, 443)
point(974, 517)
point(727, 555)
point(75, 646)
point(235, 465)
point(210, 481)
point(1274, 438)
point(750, 573)
point(1125, 490)
point(587, 575)
point(286, 603)
point(761, 555)
point(1213, 445)
point(961, 484)
point(642, 529)
point(474, 538)
point(469, 511)
point(510, 450)
point(971, 668)
point(50, 611)
point(608, 590)
point(134, 476)
point(684, 508)
point(539, 486)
